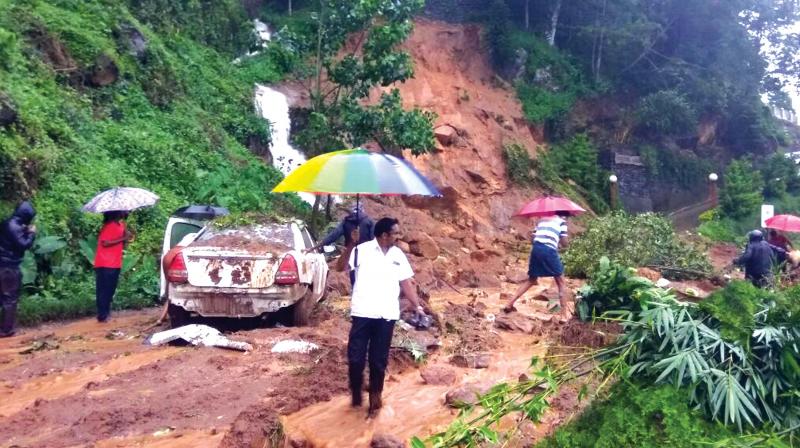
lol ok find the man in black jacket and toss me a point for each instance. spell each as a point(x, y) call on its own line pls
point(16, 236)
point(357, 223)
point(757, 260)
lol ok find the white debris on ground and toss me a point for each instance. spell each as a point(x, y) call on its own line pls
point(292, 346)
point(196, 334)
point(662, 283)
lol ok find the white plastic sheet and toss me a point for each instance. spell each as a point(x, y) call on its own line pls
point(197, 334)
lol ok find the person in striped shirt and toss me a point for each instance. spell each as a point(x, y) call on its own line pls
point(544, 261)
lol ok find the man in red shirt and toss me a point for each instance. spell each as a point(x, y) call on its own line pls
point(108, 260)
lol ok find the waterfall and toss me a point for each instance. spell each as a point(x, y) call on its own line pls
point(274, 107)
point(262, 31)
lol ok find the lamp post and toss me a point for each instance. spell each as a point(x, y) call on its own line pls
point(614, 192)
point(713, 197)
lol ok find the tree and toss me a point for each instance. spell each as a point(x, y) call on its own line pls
point(741, 193)
point(357, 52)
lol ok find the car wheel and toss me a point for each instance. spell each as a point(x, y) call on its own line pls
point(178, 316)
point(301, 310)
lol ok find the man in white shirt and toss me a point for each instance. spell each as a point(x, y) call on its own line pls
point(381, 271)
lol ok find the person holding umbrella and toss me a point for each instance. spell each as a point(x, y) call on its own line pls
point(550, 235)
point(114, 204)
point(113, 238)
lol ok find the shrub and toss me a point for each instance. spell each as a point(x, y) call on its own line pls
point(646, 239)
point(666, 112)
point(741, 193)
point(638, 415)
point(518, 164)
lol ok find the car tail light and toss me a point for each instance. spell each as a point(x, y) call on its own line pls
point(176, 273)
point(287, 272)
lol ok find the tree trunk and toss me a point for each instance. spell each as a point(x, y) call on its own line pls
point(318, 94)
point(551, 37)
point(597, 57)
point(328, 208)
point(527, 14)
point(290, 7)
point(315, 227)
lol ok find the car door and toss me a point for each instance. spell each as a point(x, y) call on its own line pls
point(176, 230)
point(318, 263)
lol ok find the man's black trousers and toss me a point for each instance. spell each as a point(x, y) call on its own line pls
point(10, 285)
point(106, 280)
point(373, 337)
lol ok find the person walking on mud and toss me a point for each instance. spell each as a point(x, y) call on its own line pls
point(381, 272)
point(544, 261)
point(757, 259)
point(113, 237)
point(16, 236)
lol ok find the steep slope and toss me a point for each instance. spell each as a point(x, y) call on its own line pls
point(471, 228)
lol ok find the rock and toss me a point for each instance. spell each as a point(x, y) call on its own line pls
point(465, 395)
point(483, 255)
point(471, 361)
point(445, 134)
point(403, 246)
point(516, 276)
point(438, 376)
point(338, 284)
point(517, 323)
point(423, 245)
point(386, 441)
point(104, 72)
point(8, 111)
point(136, 42)
point(648, 273)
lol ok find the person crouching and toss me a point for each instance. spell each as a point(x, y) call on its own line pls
point(381, 272)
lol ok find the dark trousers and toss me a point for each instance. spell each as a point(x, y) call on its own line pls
point(10, 285)
point(106, 280)
point(371, 336)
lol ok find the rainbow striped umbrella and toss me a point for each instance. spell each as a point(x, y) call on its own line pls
point(357, 171)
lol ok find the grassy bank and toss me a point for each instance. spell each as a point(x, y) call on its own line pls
point(106, 95)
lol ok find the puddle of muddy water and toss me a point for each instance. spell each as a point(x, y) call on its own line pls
point(410, 406)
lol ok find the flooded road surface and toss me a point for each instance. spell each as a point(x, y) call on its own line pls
point(411, 407)
point(82, 383)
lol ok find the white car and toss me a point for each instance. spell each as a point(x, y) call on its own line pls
point(238, 272)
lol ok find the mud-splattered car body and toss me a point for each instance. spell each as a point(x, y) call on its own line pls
point(247, 271)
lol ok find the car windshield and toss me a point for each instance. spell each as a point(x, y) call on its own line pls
point(260, 238)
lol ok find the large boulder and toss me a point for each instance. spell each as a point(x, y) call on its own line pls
point(438, 376)
point(466, 395)
point(445, 134)
point(104, 72)
point(422, 245)
point(471, 360)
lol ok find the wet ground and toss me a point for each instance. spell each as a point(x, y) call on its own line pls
point(83, 383)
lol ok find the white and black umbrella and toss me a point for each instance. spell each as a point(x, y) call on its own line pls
point(122, 199)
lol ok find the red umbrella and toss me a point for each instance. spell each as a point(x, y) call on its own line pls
point(549, 205)
point(786, 223)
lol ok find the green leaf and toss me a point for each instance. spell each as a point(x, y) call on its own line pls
point(417, 443)
point(48, 244)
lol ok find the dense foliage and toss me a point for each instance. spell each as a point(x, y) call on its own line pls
point(736, 353)
point(177, 120)
point(641, 416)
point(634, 240)
point(742, 192)
point(340, 76)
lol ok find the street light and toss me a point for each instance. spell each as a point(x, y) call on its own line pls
point(613, 193)
point(713, 198)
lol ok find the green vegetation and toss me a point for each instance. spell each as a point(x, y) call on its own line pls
point(646, 239)
point(666, 112)
point(177, 119)
point(641, 416)
point(742, 193)
point(679, 168)
point(338, 117)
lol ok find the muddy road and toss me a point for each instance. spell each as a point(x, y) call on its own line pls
point(86, 384)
